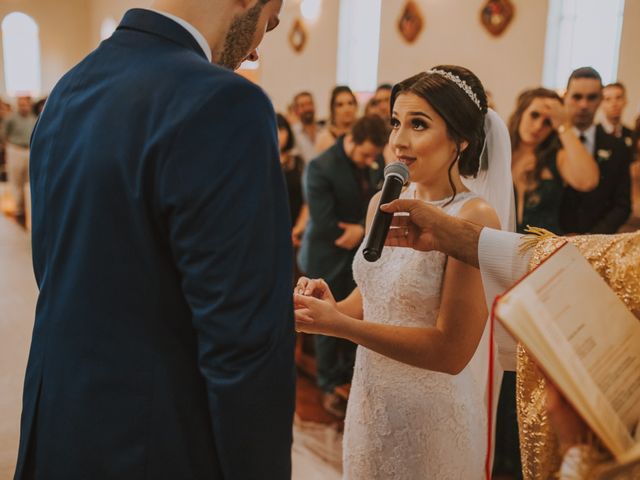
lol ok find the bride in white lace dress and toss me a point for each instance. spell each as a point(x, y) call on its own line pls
point(417, 408)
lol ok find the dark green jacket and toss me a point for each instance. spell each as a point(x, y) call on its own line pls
point(333, 196)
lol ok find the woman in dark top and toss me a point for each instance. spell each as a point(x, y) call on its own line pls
point(293, 167)
point(546, 155)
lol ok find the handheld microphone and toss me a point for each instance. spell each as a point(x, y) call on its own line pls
point(396, 174)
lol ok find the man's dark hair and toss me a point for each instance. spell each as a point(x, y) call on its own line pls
point(370, 128)
point(617, 85)
point(384, 86)
point(584, 72)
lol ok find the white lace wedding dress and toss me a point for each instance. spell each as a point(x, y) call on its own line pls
point(403, 422)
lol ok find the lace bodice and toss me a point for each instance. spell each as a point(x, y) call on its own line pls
point(404, 422)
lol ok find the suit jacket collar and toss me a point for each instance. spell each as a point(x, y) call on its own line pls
point(156, 24)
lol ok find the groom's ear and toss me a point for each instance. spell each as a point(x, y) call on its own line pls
point(463, 146)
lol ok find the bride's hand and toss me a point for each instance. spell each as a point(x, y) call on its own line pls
point(317, 316)
point(317, 288)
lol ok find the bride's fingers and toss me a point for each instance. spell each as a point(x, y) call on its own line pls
point(301, 285)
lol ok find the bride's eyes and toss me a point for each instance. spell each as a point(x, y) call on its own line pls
point(418, 124)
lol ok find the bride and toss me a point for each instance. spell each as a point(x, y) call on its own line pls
point(417, 407)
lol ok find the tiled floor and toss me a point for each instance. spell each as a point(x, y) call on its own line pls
point(317, 445)
point(17, 306)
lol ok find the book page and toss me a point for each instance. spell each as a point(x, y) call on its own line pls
point(588, 330)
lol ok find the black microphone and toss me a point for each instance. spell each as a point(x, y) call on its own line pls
point(396, 174)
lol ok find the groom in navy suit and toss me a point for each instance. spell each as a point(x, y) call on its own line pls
point(163, 339)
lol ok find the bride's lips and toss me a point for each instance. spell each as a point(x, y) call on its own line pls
point(406, 160)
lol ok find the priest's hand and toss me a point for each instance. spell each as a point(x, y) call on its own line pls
point(416, 230)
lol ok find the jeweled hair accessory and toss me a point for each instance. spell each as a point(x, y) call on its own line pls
point(460, 83)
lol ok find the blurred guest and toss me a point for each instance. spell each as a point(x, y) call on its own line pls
point(339, 185)
point(293, 167)
point(39, 106)
point(546, 155)
point(344, 112)
point(306, 130)
point(636, 135)
point(5, 112)
point(607, 208)
point(381, 106)
point(636, 140)
point(381, 102)
point(17, 131)
point(370, 107)
point(614, 101)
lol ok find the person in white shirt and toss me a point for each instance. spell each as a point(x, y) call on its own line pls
point(307, 129)
point(614, 101)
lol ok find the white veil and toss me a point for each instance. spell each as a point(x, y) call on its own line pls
point(494, 182)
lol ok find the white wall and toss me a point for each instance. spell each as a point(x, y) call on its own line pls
point(629, 66)
point(285, 72)
point(64, 34)
point(70, 29)
point(101, 9)
point(453, 35)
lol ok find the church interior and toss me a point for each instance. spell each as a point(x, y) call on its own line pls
point(363, 47)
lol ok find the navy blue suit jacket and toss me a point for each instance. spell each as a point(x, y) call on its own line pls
point(163, 340)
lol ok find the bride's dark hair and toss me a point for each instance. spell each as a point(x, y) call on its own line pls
point(465, 121)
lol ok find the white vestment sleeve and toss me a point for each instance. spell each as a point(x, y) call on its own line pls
point(501, 265)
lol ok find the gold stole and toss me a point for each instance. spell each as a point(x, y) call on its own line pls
point(617, 259)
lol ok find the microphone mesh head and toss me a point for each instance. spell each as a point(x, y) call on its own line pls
point(398, 169)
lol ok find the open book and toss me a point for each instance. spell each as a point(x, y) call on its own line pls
point(585, 340)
